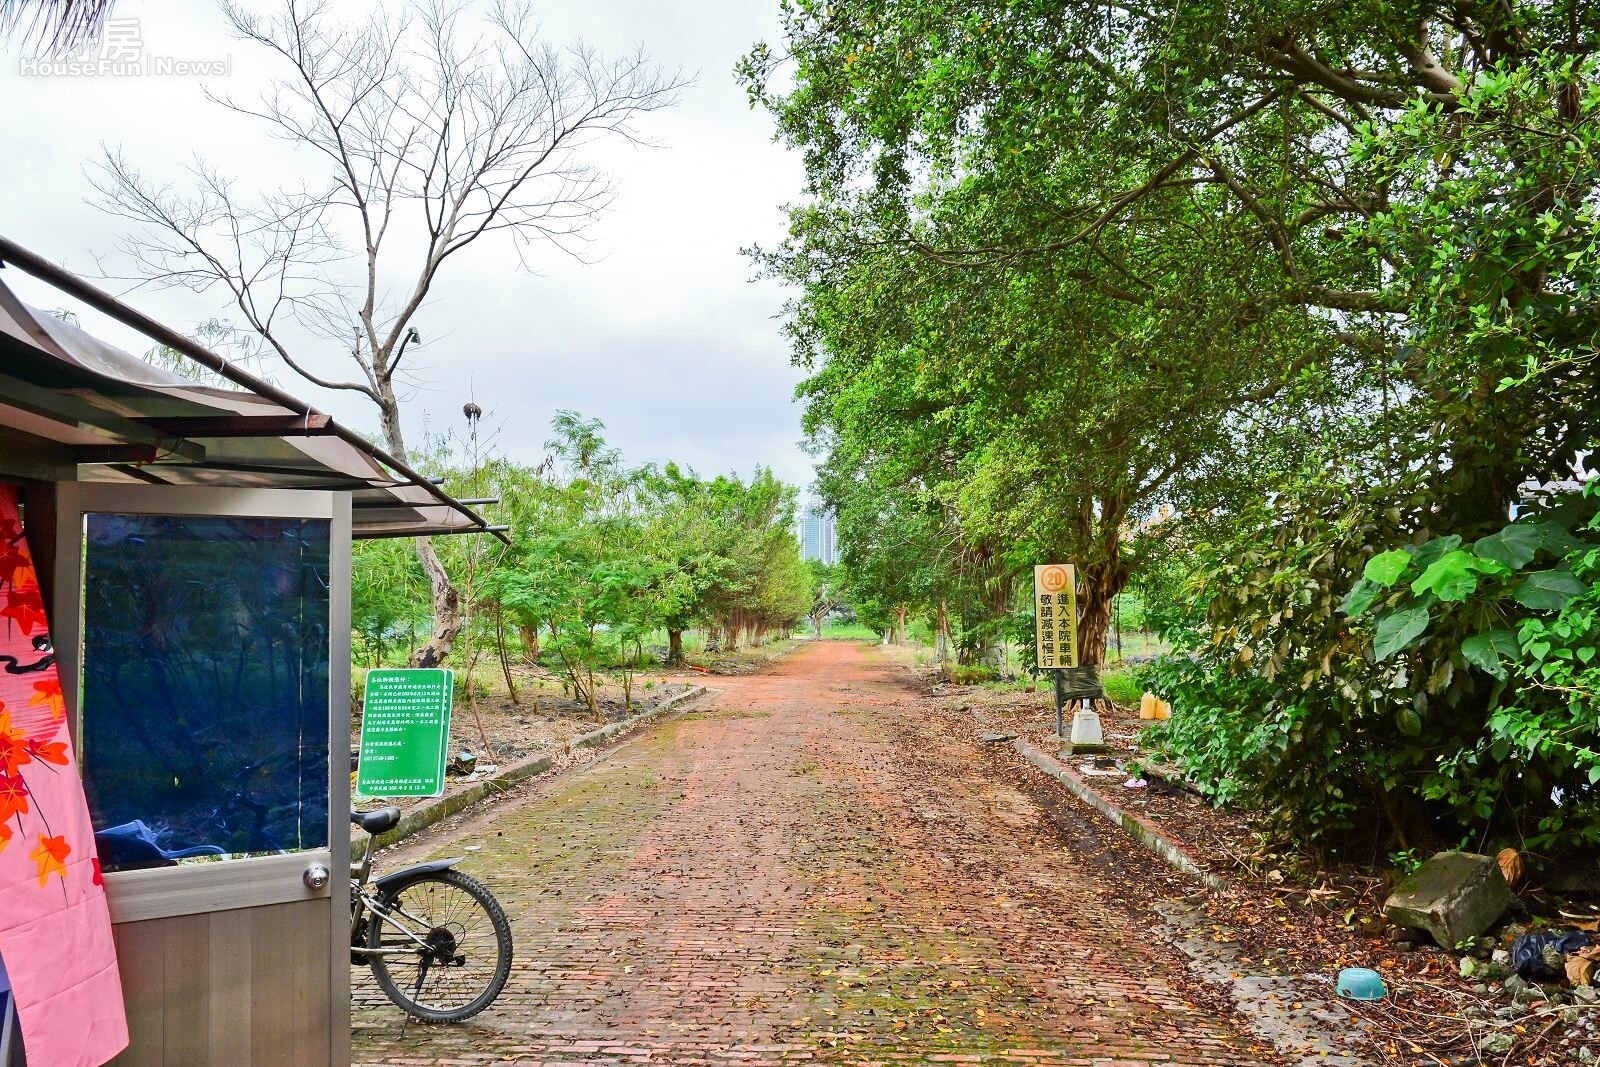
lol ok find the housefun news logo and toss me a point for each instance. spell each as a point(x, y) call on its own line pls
point(119, 52)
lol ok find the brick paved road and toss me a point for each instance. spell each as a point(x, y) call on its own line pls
point(811, 869)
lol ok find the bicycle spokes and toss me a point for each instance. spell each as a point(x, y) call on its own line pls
point(439, 944)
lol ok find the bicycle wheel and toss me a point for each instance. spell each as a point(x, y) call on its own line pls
point(467, 958)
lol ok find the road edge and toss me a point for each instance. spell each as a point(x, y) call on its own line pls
point(425, 815)
point(1139, 828)
point(1299, 1022)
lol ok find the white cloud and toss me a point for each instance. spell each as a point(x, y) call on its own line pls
point(663, 337)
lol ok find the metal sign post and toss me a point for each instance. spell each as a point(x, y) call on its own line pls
point(1055, 613)
point(1061, 707)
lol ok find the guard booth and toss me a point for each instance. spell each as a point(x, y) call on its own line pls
point(193, 546)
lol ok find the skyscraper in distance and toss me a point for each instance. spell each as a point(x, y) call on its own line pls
point(819, 537)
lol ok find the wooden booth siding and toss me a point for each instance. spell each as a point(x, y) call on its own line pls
point(248, 987)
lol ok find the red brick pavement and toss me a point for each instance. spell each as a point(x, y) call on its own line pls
point(812, 869)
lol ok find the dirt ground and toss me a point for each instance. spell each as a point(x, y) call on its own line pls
point(812, 869)
point(1293, 916)
point(488, 723)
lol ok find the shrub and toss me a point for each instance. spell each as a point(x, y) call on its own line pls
point(1121, 687)
point(1436, 692)
point(970, 673)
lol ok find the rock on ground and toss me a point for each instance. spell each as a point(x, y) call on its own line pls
point(1454, 896)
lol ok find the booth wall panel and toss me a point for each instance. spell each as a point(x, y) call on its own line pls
point(232, 960)
point(141, 958)
point(186, 967)
point(250, 986)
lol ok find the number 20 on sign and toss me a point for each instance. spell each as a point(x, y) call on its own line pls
point(1055, 613)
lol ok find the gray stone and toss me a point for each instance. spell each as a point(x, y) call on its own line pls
point(1515, 984)
point(1585, 994)
point(1455, 896)
point(1497, 1044)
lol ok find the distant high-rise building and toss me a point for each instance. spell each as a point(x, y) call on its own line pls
point(819, 536)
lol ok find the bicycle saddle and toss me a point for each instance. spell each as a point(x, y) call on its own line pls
point(376, 822)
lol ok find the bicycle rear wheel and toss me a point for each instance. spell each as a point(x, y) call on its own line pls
point(467, 955)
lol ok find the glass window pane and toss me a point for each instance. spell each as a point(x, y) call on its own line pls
point(205, 689)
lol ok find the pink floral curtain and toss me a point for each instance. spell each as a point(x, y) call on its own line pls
point(55, 929)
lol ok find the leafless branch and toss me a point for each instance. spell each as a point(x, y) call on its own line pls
point(431, 136)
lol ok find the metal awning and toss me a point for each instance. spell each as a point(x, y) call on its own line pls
point(120, 419)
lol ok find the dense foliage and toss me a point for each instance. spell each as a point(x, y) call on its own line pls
point(1320, 277)
point(605, 560)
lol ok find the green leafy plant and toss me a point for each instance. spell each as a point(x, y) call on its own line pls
point(1407, 860)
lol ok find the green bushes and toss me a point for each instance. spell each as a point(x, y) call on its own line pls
point(605, 560)
point(1121, 687)
point(970, 673)
point(1503, 634)
point(1446, 696)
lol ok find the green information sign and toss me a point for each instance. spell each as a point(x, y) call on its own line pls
point(405, 732)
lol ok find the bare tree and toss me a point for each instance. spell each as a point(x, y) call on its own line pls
point(431, 139)
point(54, 25)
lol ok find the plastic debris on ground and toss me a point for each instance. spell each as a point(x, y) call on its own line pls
point(1360, 983)
point(1538, 957)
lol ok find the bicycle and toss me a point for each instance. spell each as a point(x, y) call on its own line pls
point(427, 922)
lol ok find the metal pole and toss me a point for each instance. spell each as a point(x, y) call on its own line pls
point(1061, 706)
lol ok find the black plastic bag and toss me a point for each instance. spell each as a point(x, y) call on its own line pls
point(1527, 953)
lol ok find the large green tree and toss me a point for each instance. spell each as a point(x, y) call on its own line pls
point(1321, 275)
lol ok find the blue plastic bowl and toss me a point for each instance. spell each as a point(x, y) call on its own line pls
point(1361, 983)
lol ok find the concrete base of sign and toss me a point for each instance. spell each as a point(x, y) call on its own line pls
point(1086, 728)
point(1070, 749)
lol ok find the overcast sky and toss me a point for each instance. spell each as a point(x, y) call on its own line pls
point(664, 338)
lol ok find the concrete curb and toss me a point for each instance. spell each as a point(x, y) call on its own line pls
point(425, 815)
point(1137, 827)
point(1300, 1022)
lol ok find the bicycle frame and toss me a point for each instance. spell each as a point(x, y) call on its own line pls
point(364, 901)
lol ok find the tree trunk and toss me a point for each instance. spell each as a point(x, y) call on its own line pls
point(446, 600)
point(1099, 583)
point(941, 632)
point(505, 658)
point(674, 648)
point(730, 633)
point(997, 601)
point(446, 609)
point(530, 643)
point(1094, 618)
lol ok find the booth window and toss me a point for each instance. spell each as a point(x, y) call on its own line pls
point(205, 687)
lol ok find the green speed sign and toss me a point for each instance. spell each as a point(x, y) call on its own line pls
point(405, 732)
